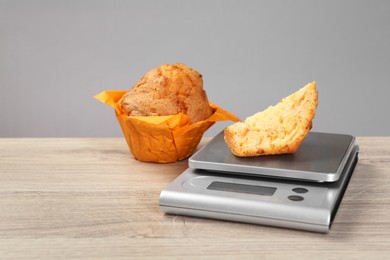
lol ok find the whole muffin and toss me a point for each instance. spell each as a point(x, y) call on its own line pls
point(168, 90)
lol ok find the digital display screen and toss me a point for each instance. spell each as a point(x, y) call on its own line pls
point(242, 188)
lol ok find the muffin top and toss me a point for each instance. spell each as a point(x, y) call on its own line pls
point(168, 90)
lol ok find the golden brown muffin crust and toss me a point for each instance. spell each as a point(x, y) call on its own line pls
point(168, 90)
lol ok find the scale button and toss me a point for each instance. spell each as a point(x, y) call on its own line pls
point(295, 198)
point(300, 190)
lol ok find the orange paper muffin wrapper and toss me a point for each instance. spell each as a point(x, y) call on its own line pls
point(161, 139)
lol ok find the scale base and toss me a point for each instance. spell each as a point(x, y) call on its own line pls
point(285, 203)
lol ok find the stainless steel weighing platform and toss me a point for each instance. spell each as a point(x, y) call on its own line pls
point(301, 190)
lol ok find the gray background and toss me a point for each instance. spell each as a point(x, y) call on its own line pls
point(56, 55)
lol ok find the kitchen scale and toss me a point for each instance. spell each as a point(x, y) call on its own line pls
point(300, 191)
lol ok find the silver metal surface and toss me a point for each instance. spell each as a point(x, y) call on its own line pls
point(321, 157)
point(277, 202)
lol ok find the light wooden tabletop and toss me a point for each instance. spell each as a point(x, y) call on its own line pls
point(88, 198)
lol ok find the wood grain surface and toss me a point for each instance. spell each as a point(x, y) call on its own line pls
point(88, 198)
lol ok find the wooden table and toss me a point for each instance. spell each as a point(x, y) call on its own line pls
point(88, 198)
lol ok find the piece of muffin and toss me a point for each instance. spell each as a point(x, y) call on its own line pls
point(168, 90)
point(279, 129)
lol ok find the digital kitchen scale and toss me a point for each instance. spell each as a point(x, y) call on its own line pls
point(301, 190)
